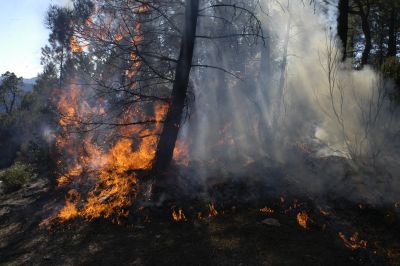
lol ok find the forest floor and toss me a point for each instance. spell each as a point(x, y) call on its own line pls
point(236, 236)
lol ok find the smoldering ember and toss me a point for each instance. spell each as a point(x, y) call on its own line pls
point(200, 132)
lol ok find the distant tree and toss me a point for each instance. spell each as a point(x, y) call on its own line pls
point(10, 91)
point(391, 16)
point(368, 29)
point(59, 21)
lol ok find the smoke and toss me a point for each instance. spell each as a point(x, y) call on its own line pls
point(64, 3)
point(284, 110)
point(295, 106)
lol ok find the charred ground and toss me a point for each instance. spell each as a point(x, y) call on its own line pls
point(236, 235)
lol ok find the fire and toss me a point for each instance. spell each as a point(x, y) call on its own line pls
point(138, 38)
point(118, 37)
point(211, 210)
point(67, 178)
point(178, 216)
point(266, 210)
point(119, 34)
point(75, 46)
point(105, 165)
point(302, 219)
point(303, 148)
point(70, 211)
point(354, 242)
point(113, 190)
point(143, 8)
point(181, 153)
point(111, 167)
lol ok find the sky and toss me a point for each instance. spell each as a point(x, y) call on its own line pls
point(23, 34)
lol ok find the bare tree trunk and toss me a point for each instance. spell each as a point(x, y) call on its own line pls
point(173, 119)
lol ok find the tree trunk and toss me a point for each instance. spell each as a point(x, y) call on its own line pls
point(173, 119)
point(281, 85)
point(343, 25)
point(364, 14)
point(60, 83)
point(368, 40)
point(392, 44)
point(14, 96)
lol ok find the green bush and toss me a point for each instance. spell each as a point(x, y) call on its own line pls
point(17, 175)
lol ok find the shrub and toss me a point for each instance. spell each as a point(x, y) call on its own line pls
point(17, 175)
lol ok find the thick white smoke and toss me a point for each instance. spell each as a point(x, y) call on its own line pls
point(294, 105)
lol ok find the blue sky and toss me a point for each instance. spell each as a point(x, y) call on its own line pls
point(23, 33)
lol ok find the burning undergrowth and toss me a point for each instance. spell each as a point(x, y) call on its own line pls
point(105, 144)
point(105, 168)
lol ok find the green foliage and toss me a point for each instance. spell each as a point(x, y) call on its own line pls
point(16, 176)
point(10, 91)
point(27, 128)
point(391, 69)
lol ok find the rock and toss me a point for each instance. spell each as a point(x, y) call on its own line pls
point(271, 222)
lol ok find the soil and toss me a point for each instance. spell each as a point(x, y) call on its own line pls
point(236, 236)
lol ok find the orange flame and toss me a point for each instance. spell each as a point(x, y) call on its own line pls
point(70, 211)
point(112, 168)
point(302, 219)
point(211, 210)
point(354, 242)
point(75, 46)
point(143, 8)
point(266, 210)
point(178, 216)
point(181, 153)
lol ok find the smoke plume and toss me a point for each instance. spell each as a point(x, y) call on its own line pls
point(296, 106)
